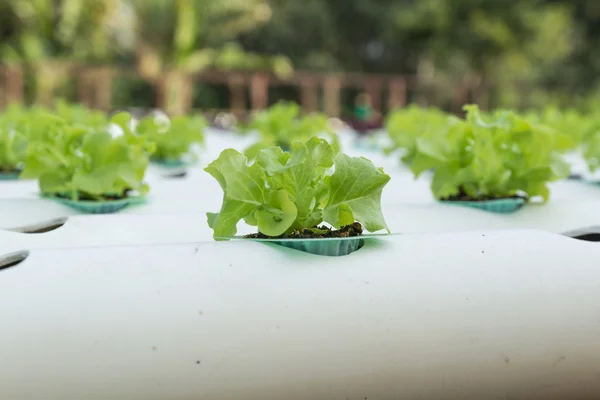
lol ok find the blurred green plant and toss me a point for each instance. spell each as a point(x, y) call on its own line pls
point(13, 142)
point(173, 137)
point(87, 163)
point(282, 124)
point(492, 156)
point(408, 127)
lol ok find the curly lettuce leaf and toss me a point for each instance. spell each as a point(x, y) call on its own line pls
point(174, 138)
point(493, 155)
point(405, 126)
point(282, 192)
point(301, 174)
point(244, 191)
point(110, 166)
point(87, 163)
point(282, 124)
point(355, 194)
point(13, 149)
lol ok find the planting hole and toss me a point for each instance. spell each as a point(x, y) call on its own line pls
point(12, 259)
point(588, 237)
point(182, 174)
point(41, 227)
point(589, 234)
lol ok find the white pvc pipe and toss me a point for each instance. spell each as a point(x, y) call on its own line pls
point(478, 315)
point(139, 225)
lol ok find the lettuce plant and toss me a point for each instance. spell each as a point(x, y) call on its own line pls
point(82, 164)
point(405, 126)
point(19, 125)
point(13, 141)
point(173, 138)
point(481, 159)
point(13, 148)
point(281, 124)
point(81, 115)
point(285, 192)
point(572, 126)
point(590, 146)
point(591, 150)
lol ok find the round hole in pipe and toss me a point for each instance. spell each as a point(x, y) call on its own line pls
point(587, 234)
point(176, 175)
point(41, 227)
point(13, 259)
point(588, 237)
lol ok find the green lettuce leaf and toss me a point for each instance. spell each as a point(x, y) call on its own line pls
point(355, 194)
point(244, 191)
point(86, 162)
point(282, 124)
point(283, 192)
point(491, 156)
point(173, 139)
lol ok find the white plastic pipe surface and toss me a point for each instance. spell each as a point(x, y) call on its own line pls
point(131, 228)
point(112, 230)
point(450, 316)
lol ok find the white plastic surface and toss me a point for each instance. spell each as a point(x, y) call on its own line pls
point(480, 315)
point(113, 230)
point(139, 229)
point(142, 304)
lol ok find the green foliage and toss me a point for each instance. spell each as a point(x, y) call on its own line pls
point(13, 142)
point(591, 143)
point(282, 124)
point(491, 157)
point(86, 163)
point(574, 126)
point(518, 49)
point(13, 147)
point(19, 125)
point(405, 126)
point(80, 115)
point(288, 191)
point(193, 35)
point(173, 138)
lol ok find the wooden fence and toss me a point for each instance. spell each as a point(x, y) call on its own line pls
point(173, 89)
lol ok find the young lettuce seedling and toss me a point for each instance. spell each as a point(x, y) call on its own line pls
point(13, 139)
point(13, 148)
point(291, 193)
point(406, 125)
point(173, 138)
point(501, 156)
point(77, 163)
point(282, 124)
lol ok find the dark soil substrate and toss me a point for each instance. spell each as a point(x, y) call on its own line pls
point(462, 196)
point(86, 197)
point(355, 229)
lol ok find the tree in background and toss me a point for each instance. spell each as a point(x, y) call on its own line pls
point(481, 43)
point(163, 38)
point(175, 38)
point(511, 53)
point(48, 35)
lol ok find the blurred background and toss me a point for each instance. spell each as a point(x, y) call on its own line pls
point(243, 55)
